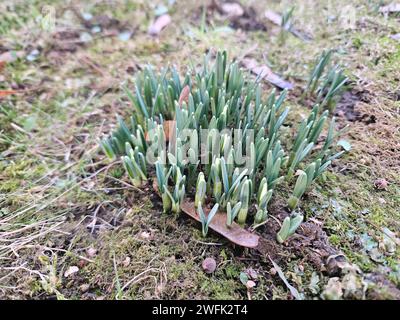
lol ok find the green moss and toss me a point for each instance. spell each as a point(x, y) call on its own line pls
point(117, 172)
point(357, 42)
point(16, 173)
point(220, 289)
point(335, 239)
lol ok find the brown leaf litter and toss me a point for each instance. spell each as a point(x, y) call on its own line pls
point(265, 72)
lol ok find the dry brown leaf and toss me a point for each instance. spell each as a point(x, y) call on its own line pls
point(159, 24)
point(234, 233)
point(169, 129)
point(2, 65)
point(5, 93)
point(266, 73)
point(184, 97)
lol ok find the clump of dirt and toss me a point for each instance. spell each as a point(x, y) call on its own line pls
point(66, 41)
point(347, 107)
point(99, 217)
point(239, 16)
point(267, 246)
point(309, 243)
point(69, 40)
point(103, 21)
point(382, 288)
point(395, 96)
point(97, 116)
point(249, 21)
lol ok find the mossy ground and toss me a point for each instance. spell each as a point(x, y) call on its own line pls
point(62, 204)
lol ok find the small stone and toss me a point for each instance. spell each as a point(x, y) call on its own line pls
point(125, 35)
point(91, 252)
point(341, 113)
point(252, 273)
point(232, 9)
point(85, 37)
point(395, 36)
point(82, 263)
point(381, 184)
point(334, 264)
point(160, 10)
point(126, 262)
point(333, 290)
point(84, 287)
point(382, 201)
point(32, 56)
point(70, 271)
point(87, 16)
point(145, 235)
point(250, 284)
point(96, 29)
point(209, 265)
point(272, 271)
